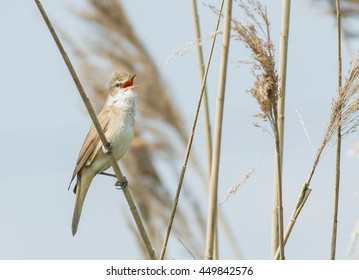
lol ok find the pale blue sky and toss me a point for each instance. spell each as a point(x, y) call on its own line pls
point(43, 124)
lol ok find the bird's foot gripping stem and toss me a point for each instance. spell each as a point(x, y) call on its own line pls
point(121, 184)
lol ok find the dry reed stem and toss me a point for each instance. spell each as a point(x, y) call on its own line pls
point(102, 136)
point(339, 137)
point(213, 188)
point(189, 145)
point(344, 114)
point(279, 204)
point(207, 123)
point(222, 219)
point(277, 220)
point(178, 53)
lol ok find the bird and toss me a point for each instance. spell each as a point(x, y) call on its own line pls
point(117, 119)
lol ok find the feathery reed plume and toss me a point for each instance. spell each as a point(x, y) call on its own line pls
point(159, 127)
point(344, 114)
point(255, 34)
point(348, 102)
point(265, 89)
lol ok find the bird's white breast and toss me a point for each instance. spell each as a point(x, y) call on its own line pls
point(120, 130)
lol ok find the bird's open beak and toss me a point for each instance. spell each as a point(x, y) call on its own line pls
point(129, 82)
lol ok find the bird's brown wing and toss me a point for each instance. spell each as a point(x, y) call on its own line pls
point(90, 145)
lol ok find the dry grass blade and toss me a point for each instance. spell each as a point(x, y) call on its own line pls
point(198, 43)
point(233, 189)
point(159, 127)
point(302, 123)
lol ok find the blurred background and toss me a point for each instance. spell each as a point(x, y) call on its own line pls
point(44, 123)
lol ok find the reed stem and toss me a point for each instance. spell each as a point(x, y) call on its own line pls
point(277, 219)
point(339, 140)
point(190, 140)
point(213, 188)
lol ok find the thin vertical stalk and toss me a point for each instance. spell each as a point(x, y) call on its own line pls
point(208, 134)
point(339, 137)
point(277, 219)
point(213, 188)
point(190, 141)
point(105, 143)
point(207, 123)
point(279, 191)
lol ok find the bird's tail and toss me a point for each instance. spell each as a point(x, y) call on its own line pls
point(82, 186)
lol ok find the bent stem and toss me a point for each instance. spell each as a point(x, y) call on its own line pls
point(344, 114)
point(303, 196)
point(105, 143)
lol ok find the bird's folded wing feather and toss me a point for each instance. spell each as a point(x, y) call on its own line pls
point(89, 150)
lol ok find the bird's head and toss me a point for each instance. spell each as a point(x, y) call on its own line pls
point(120, 86)
point(121, 80)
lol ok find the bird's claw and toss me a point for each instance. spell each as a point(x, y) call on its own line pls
point(121, 184)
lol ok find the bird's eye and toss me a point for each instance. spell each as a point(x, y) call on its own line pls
point(118, 84)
